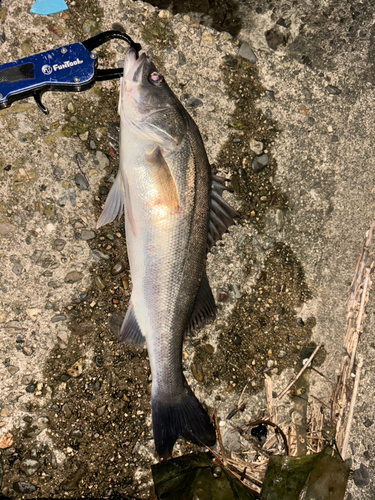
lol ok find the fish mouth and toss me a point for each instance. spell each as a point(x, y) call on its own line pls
point(133, 67)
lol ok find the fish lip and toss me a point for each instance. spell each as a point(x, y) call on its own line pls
point(133, 67)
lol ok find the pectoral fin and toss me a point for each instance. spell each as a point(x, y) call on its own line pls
point(163, 181)
point(114, 204)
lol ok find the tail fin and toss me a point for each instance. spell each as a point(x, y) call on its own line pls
point(185, 417)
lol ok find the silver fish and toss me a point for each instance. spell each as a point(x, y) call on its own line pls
point(174, 213)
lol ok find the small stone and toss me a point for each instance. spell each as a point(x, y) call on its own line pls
point(368, 423)
point(76, 369)
point(191, 102)
point(237, 340)
point(99, 283)
point(73, 277)
point(125, 283)
point(101, 410)
point(6, 441)
point(246, 52)
point(207, 40)
point(63, 336)
point(279, 219)
point(259, 163)
point(334, 138)
point(98, 255)
point(81, 182)
point(96, 386)
point(361, 476)
point(117, 268)
point(84, 136)
point(26, 379)
point(115, 323)
point(31, 388)
point(70, 107)
point(67, 412)
point(33, 313)
point(6, 229)
point(87, 234)
point(58, 318)
point(92, 144)
point(209, 349)
point(102, 159)
point(27, 351)
point(77, 434)
point(59, 244)
point(230, 61)
point(181, 58)
point(29, 466)
point(281, 354)
point(300, 322)
point(23, 487)
point(98, 360)
point(197, 372)
point(256, 146)
point(17, 269)
point(54, 285)
point(331, 89)
point(13, 370)
point(221, 295)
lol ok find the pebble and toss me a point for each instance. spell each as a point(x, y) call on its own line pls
point(331, 89)
point(207, 39)
point(26, 379)
point(77, 434)
point(29, 466)
point(209, 348)
point(98, 360)
point(17, 269)
point(181, 58)
point(230, 61)
point(23, 487)
point(237, 340)
point(87, 234)
point(115, 322)
point(246, 52)
point(59, 244)
point(54, 285)
point(256, 146)
point(92, 144)
point(58, 318)
point(73, 277)
point(30, 388)
point(98, 255)
point(190, 101)
point(27, 351)
point(6, 441)
point(300, 322)
point(6, 229)
point(197, 372)
point(101, 410)
point(361, 476)
point(96, 386)
point(221, 295)
point(76, 369)
point(102, 159)
point(279, 219)
point(117, 268)
point(81, 182)
point(368, 423)
point(13, 369)
point(84, 136)
point(67, 412)
point(58, 172)
point(259, 163)
point(99, 282)
point(282, 354)
point(125, 283)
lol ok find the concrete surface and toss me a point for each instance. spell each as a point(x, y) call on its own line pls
point(73, 405)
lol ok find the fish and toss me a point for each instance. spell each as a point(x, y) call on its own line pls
point(174, 213)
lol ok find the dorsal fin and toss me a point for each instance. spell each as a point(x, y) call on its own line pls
point(204, 305)
point(222, 215)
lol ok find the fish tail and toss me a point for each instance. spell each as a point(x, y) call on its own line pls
point(184, 417)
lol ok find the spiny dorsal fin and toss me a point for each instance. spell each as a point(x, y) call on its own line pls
point(222, 215)
point(204, 305)
point(114, 204)
point(130, 332)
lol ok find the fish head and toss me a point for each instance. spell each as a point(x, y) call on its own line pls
point(147, 104)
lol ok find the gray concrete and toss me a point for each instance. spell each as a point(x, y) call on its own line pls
point(319, 63)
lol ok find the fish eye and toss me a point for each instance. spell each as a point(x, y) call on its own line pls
point(156, 78)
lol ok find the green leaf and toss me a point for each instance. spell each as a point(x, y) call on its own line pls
point(195, 477)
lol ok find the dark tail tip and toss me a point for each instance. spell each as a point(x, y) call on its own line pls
point(185, 418)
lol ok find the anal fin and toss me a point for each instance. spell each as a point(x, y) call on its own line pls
point(204, 305)
point(130, 332)
point(114, 204)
